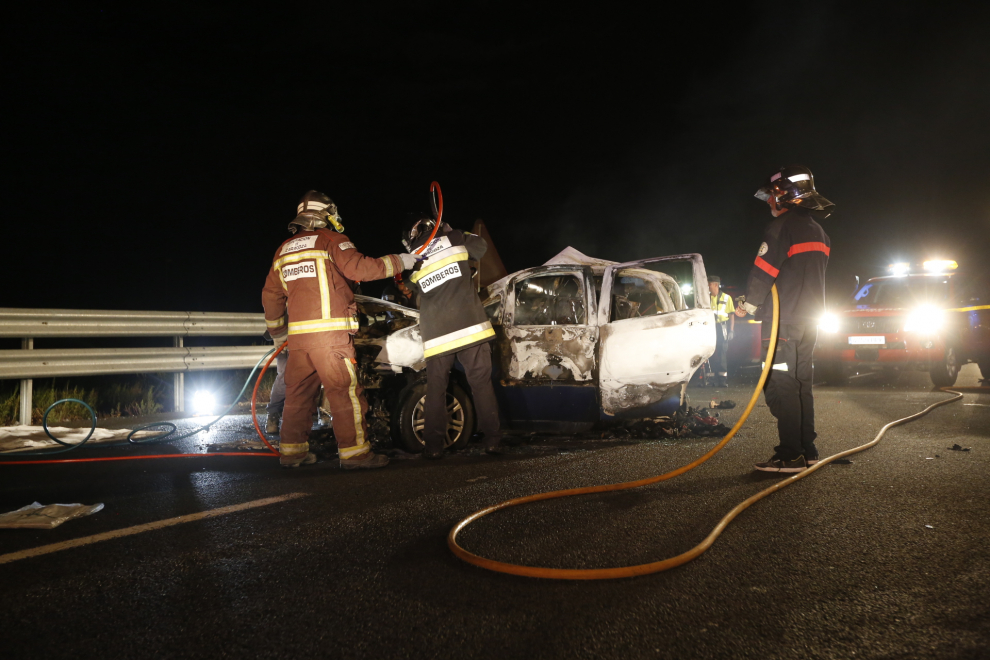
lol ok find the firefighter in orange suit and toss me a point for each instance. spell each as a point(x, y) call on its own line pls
point(312, 276)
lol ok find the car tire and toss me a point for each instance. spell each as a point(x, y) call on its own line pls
point(945, 371)
point(408, 419)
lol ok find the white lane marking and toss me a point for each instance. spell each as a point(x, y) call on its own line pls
point(147, 527)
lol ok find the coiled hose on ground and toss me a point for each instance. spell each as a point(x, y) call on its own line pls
point(683, 558)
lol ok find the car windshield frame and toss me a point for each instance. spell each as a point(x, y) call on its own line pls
point(904, 292)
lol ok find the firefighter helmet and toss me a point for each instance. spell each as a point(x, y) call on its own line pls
point(420, 226)
point(315, 211)
point(794, 186)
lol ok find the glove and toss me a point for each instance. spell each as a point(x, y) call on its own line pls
point(408, 260)
point(732, 333)
point(281, 339)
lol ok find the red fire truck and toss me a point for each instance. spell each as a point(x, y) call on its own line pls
point(929, 317)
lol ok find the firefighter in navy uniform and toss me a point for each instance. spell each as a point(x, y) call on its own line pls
point(453, 325)
point(794, 254)
point(313, 275)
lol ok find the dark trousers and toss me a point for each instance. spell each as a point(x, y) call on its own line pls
point(720, 360)
point(477, 363)
point(788, 389)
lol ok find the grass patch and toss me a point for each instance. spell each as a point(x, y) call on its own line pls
point(124, 396)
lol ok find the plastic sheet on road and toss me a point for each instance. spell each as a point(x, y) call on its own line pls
point(42, 516)
point(25, 438)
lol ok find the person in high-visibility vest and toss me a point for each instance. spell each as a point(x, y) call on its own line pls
point(725, 326)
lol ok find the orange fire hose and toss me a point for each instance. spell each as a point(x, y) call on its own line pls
point(434, 187)
point(683, 558)
point(254, 398)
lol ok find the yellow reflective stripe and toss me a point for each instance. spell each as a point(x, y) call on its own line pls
point(293, 449)
point(387, 260)
point(301, 256)
point(355, 451)
point(356, 407)
point(321, 275)
point(457, 343)
point(457, 334)
point(426, 270)
point(322, 325)
point(285, 286)
point(969, 309)
point(275, 324)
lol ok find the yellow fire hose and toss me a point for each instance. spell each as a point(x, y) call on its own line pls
point(671, 562)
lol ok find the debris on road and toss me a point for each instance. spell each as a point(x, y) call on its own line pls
point(42, 516)
point(958, 448)
point(470, 481)
point(245, 444)
point(694, 422)
point(727, 404)
point(929, 527)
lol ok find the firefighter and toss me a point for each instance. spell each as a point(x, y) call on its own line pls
point(725, 327)
point(314, 274)
point(399, 293)
point(794, 254)
point(454, 326)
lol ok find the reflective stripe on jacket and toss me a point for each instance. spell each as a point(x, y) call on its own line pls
point(793, 255)
point(723, 308)
point(312, 278)
point(451, 315)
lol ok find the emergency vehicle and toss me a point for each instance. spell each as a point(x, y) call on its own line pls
point(919, 317)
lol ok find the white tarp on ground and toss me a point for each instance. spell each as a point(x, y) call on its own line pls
point(22, 438)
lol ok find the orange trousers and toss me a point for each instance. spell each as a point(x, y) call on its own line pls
point(335, 367)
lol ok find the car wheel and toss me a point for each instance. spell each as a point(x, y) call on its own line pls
point(945, 372)
point(409, 420)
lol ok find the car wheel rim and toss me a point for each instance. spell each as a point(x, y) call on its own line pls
point(950, 362)
point(455, 420)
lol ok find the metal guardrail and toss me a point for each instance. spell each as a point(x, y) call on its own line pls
point(101, 323)
point(52, 362)
point(29, 324)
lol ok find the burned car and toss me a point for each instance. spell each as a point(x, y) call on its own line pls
point(578, 340)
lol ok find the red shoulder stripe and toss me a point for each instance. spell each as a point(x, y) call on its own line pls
point(766, 267)
point(798, 248)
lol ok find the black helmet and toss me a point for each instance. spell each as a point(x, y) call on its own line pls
point(315, 211)
point(419, 226)
point(794, 186)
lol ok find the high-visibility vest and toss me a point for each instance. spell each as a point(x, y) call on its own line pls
point(723, 307)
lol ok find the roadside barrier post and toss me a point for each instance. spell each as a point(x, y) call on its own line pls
point(26, 389)
point(179, 382)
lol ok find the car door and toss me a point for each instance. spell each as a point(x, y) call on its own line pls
point(546, 347)
point(656, 328)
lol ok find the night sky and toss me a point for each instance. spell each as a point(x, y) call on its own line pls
point(154, 154)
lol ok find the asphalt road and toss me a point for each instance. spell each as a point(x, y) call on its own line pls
point(883, 557)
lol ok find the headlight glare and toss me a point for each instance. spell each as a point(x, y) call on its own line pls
point(924, 320)
point(829, 323)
